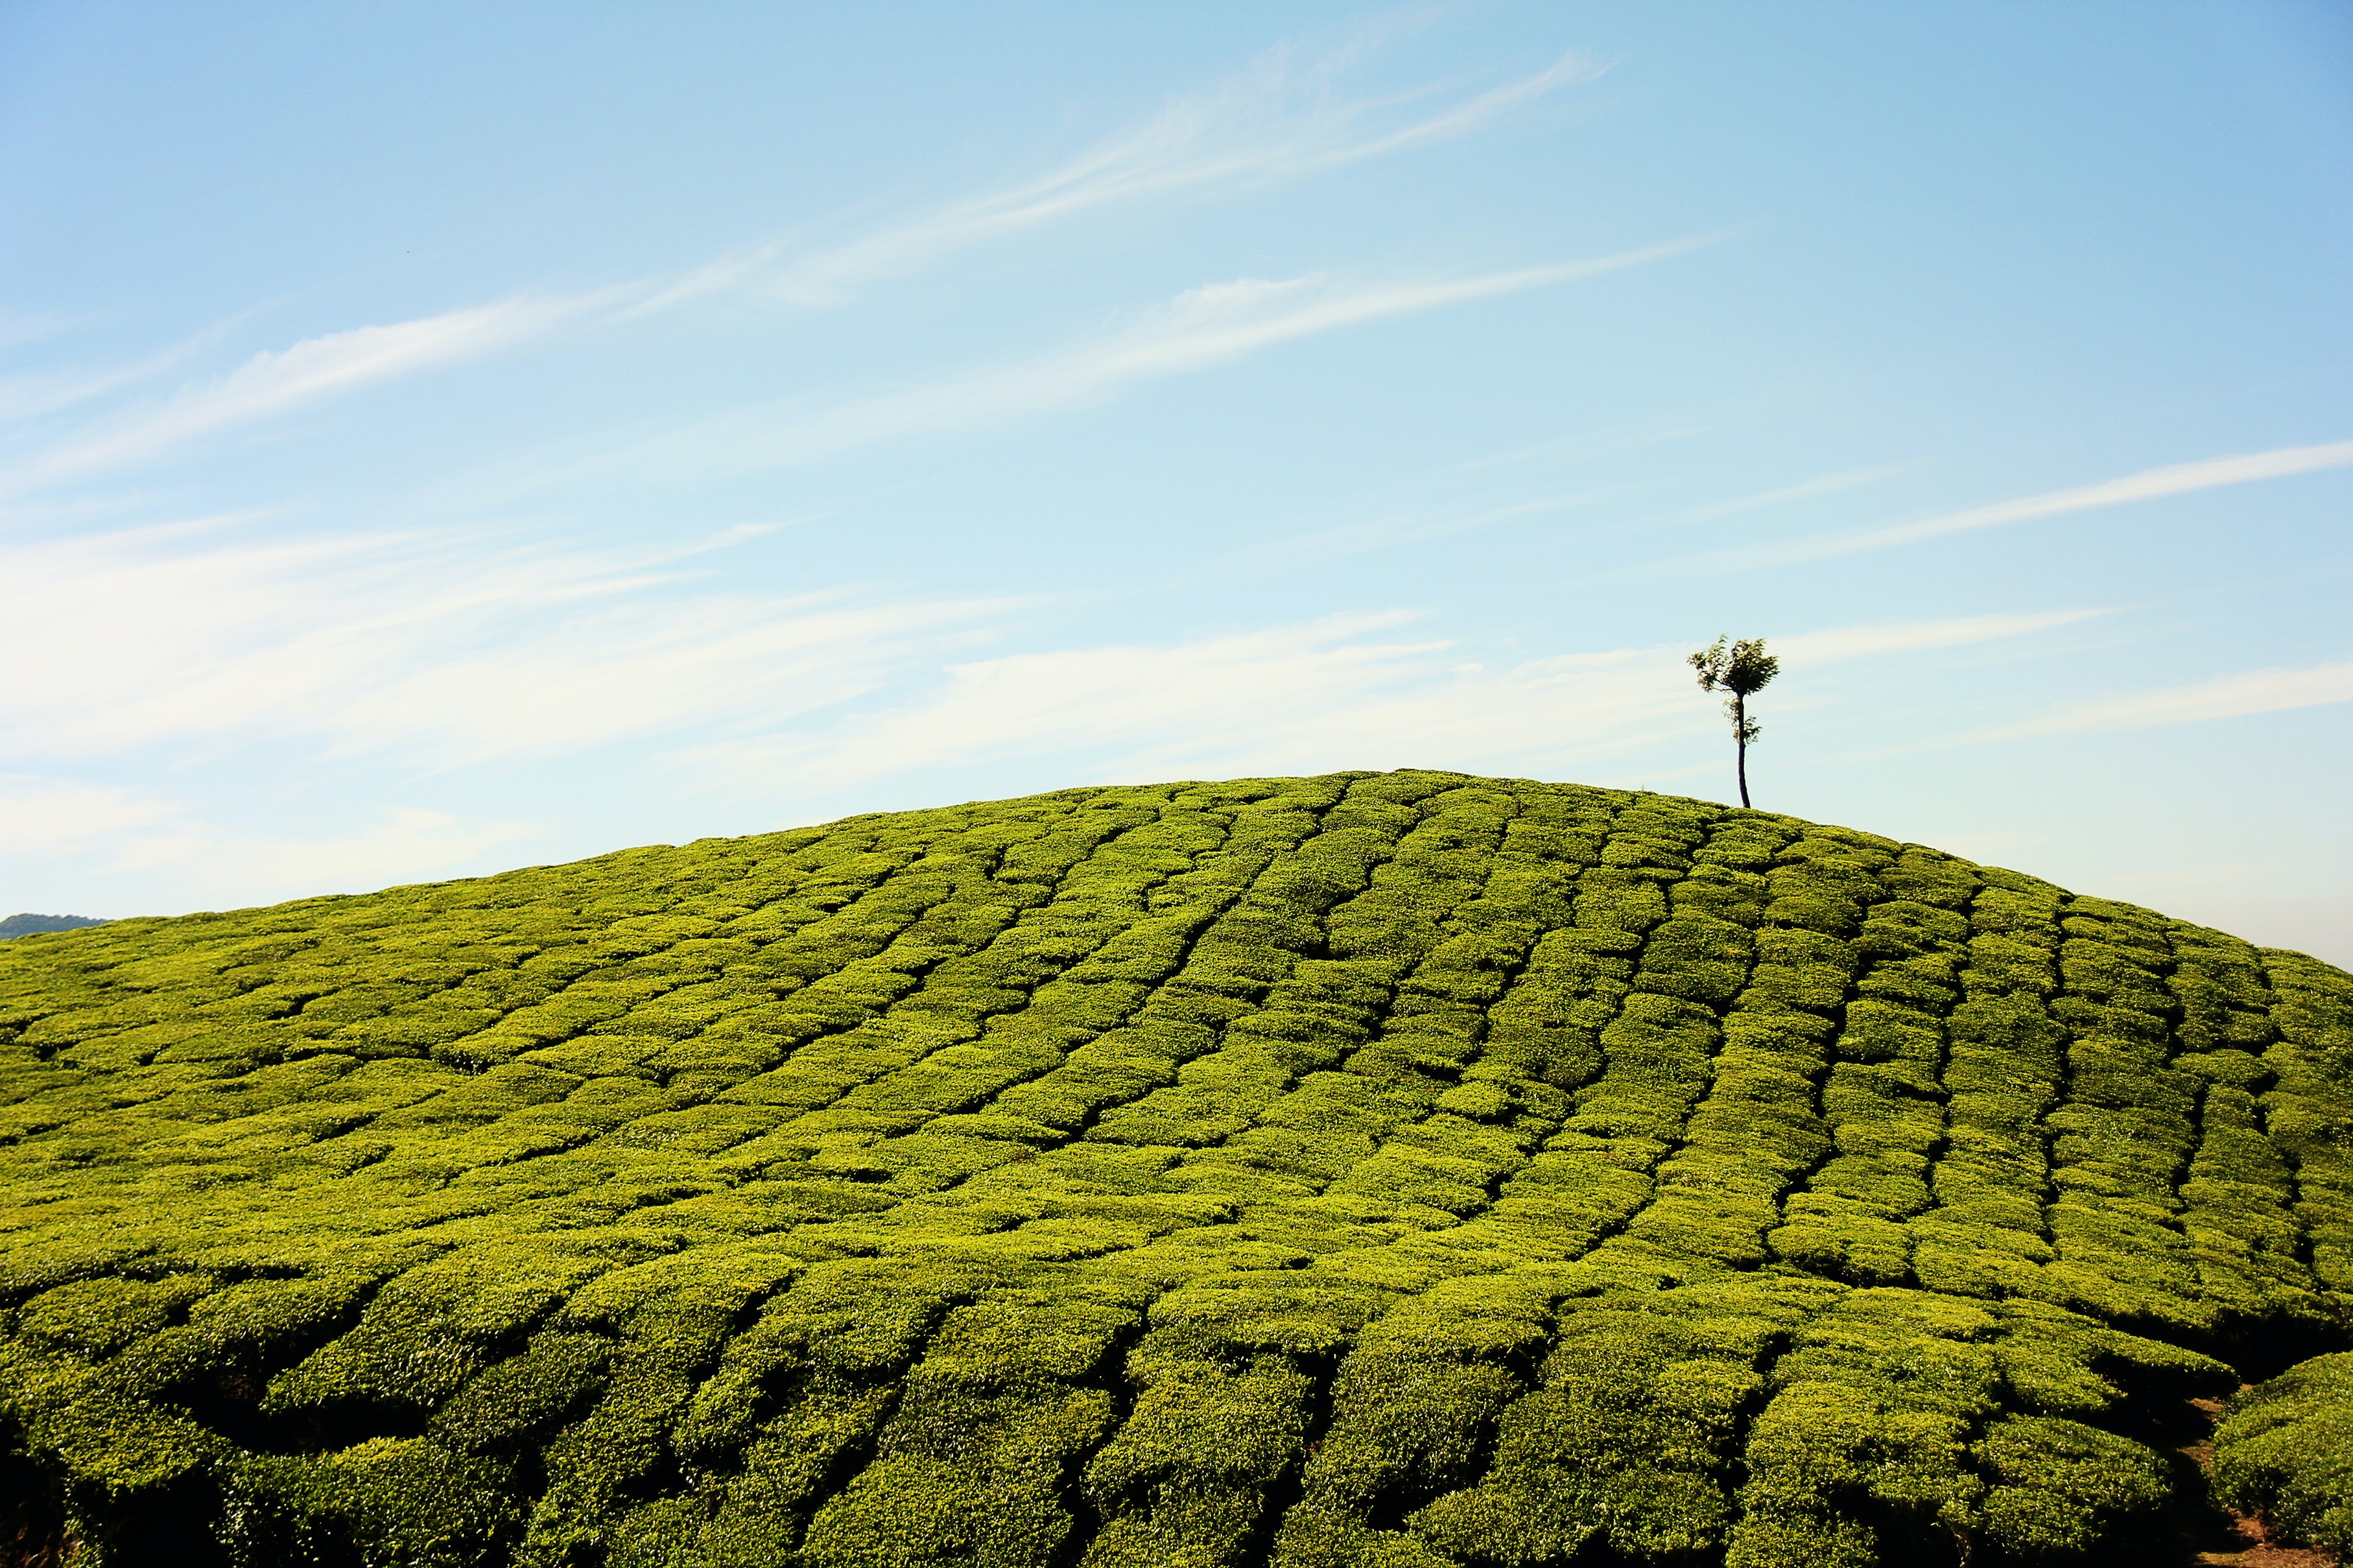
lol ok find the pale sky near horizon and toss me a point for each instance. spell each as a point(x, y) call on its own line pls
point(440, 438)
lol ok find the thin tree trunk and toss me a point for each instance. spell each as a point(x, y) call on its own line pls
point(1740, 739)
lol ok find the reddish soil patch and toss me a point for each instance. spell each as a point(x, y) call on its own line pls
point(2262, 1553)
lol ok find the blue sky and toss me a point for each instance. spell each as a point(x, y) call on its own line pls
point(439, 439)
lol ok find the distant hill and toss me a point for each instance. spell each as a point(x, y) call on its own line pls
point(1393, 1171)
point(26, 925)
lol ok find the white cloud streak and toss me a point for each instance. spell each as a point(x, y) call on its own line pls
point(1199, 329)
point(279, 380)
point(53, 816)
point(1918, 636)
point(1247, 133)
point(1827, 484)
point(433, 648)
point(1340, 692)
point(2149, 484)
point(2223, 696)
point(28, 396)
point(406, 845)
point(434, 653)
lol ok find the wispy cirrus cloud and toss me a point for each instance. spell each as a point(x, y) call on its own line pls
point(1279, 121)
point(137, 831)
point(1915, 636)
point(1201, 327)
point(279, 380)
point(42, 815)
point(432, 648)
point(1807, 489)
point(1343, 691)
point(404, 844)
point(1276, 121)
point(32, 394)
point(2222, 696)
point(2149, 484)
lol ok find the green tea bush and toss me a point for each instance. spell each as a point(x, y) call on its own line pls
point(2285, 1449)
point(1375, 1171)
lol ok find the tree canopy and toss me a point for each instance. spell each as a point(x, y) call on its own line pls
point(1739, 670)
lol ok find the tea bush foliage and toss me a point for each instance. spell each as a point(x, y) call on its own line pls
point(1375, 1171)
point(2285, 1449)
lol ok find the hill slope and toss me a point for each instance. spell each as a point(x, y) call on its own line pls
point(1379, 1168)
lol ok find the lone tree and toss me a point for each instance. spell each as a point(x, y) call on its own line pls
point(1737, 671)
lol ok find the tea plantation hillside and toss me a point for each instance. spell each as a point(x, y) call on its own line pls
point(1392, 1170)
